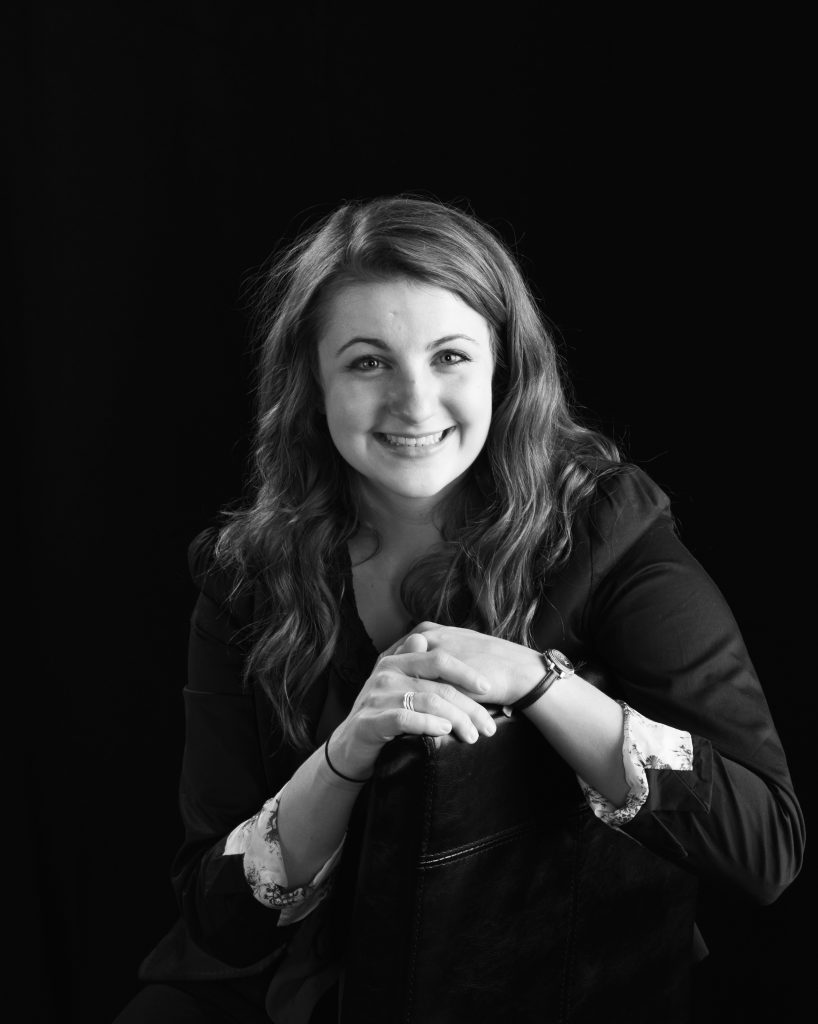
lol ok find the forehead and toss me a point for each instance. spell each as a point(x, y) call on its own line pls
point(398, 310)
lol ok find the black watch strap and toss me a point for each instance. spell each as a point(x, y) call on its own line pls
point(557, 667)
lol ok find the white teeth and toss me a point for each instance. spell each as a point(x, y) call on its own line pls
point(414, 442)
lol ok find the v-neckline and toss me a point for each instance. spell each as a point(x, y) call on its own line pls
point(352, 604)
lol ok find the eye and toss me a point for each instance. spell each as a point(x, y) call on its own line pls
point(366, 363)
point(452, 358)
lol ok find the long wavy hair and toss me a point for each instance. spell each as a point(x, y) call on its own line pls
point(507, 529)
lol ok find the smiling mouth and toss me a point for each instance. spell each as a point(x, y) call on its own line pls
point(414, 440)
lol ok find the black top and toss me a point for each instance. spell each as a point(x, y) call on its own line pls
point(631, 597)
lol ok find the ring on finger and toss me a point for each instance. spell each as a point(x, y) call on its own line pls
point(409, 700)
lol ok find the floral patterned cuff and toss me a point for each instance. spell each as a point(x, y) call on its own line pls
point(258, 841)
point(645, 744)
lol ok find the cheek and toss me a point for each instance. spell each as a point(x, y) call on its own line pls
point(478, 408)
point(345, 417)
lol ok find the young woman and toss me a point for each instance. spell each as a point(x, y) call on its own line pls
point(424, 505)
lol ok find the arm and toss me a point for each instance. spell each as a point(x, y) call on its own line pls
point(230, 874)
point(223, 780)
point(585, 727)
point(317, 803)
point(633, 596)
point(661, 625)
point(582, 724)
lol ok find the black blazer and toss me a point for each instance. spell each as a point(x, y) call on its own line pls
point(630, 598)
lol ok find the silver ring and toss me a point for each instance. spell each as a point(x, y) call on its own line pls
point(409, 700)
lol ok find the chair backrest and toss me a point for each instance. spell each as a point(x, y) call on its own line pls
point(478, 886)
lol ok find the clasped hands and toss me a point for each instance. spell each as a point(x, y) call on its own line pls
point(507, 670)
point(452, 673)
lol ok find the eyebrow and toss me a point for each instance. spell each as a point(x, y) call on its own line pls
point(379, 343)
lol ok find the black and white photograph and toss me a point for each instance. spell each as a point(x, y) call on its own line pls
point(413, 475)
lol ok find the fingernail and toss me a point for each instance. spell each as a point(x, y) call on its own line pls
point(473, 736)
point(491, 728)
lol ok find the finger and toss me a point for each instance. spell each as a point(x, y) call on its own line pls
point(425, 626)
point(400, 722)
point(399, 646)
point(415, 643)
point(432, 697)
point(467, 723)
point(439, 664)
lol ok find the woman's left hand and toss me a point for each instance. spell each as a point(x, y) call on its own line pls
point(511, 669)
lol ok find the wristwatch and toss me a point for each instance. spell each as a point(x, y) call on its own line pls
point(557, 667)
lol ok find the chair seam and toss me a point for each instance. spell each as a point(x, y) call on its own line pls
point(478, 846)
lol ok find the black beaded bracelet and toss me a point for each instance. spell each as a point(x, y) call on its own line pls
point(341, 775)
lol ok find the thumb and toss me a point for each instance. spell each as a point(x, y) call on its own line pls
point(415, 643)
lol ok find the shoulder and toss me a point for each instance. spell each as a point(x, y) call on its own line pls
point(627, 494)
point(222, 588)
point(201, 555)
point(625, 506)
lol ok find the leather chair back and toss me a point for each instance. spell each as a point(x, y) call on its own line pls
point(478, 886)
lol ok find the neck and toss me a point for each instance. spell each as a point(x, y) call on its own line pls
point(406, 527)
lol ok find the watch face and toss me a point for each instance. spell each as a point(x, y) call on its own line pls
point(560, 661)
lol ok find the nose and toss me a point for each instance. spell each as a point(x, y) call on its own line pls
point(413, 396)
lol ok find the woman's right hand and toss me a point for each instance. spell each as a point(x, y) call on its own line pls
point(442, 703)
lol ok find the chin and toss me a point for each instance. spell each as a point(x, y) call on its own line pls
point(421, 489)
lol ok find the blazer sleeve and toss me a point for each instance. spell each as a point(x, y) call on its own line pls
point(661, 625)
point(223, 780)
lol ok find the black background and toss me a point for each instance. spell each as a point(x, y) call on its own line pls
point(648, 170)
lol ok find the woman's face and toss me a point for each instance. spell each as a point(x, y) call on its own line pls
point(406, 372)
